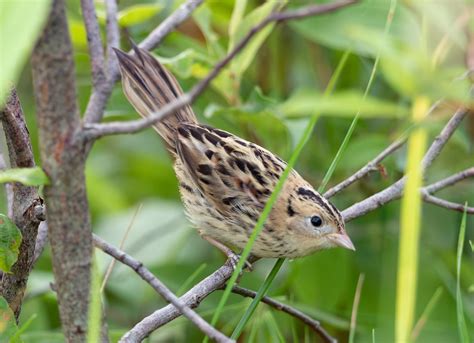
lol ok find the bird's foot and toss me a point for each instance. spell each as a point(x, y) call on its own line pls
point(233, 259)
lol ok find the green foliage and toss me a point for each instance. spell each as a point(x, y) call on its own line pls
point(267, 96)
point(10, 240)
point(27, 176)
point(8, 327)
point(138, 14)
point(340, 104)
point(18, 37)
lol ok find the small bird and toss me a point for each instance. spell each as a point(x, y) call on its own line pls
point(225, 180)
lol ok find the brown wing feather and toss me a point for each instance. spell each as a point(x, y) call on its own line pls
point(233, 173)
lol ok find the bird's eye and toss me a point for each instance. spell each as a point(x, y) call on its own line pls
point(316, 221)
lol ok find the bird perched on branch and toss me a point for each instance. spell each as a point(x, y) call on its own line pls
point(225, 180)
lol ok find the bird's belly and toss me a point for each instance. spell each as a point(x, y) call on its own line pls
point(235, 231)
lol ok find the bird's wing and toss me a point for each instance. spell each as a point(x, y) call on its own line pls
point(233, 174)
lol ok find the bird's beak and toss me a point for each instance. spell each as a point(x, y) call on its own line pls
point(342, 240)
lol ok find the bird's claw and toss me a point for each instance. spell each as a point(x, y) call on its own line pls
point(233, 260)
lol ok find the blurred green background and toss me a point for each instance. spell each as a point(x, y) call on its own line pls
point(266, 95)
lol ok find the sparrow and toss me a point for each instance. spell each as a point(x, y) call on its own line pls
point(225, 181)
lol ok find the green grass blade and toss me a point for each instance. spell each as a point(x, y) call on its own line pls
point(462, 326)
point(410, 225)
point(355, 307)
point(190, 279)
point(260, 294)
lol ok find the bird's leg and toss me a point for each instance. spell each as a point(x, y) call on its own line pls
point(232, 256)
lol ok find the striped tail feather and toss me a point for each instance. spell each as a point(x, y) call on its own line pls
point(148, 86)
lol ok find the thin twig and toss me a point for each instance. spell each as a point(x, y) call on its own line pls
point(447, 204)
point(96, 51)
point(98, 100)
point(113, 36)
point(304, 318)
point(146, 275)
point(395, 190)
point(122, 242)
point(41, 240)
point(181, 14)
point(369, 167)
point(451, 180)
point(372, 165)
point(94, 131)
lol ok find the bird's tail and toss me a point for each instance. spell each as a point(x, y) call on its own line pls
point(149, 86)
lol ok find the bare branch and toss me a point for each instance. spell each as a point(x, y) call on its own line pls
point(41, 240)
point(169, 24)
point(451, 180)
point(446, 204)
point(8, 189)
point(96, 51)
point(304, 318)
point(98, 130)
point(192, 299)
point(395, 191)
point(113, 36)
point(24, 200)
point(370, 166)
point(99, 98)
point(63, 159)
point(158, 286)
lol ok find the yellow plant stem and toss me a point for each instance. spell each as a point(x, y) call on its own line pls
point(410, 224)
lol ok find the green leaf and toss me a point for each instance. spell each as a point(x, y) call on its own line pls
point(138, 14)
point(18, 37)
point(410, 69)
point(237, 15)
point(333, 30)
point(78, 34)
point(27, 176)
point(8, 327)
point(203, 18)
point(242, 61)
point(10, 240)
point(342, 104)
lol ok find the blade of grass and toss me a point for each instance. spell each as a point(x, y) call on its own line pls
point(347, 137)
point(410, 224)
point(260, 294)
point(355, 307)
point(268, 206)
point(462, 327)
point(273, 327)
point(122, 242)
point(373, 335)
point(426, 313)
